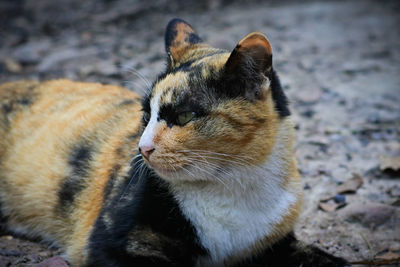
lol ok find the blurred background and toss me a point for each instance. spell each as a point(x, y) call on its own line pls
point(339, 63)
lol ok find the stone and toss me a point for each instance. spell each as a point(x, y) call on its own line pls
point(55, 261)
point(339, 199)
point(12, 65)
point(390, 163)
point(351, 185)
point(368, 214)
point(31, 53)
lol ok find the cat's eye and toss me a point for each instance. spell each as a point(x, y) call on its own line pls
point(185, 117)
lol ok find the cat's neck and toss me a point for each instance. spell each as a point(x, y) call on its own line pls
point(231, 218)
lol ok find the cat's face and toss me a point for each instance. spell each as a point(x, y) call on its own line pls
point(212, 110)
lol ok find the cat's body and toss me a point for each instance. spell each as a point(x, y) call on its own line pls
point(220, 184)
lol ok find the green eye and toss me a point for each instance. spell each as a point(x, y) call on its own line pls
point(185, 117)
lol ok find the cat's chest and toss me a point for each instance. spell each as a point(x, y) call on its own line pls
point(228, 223)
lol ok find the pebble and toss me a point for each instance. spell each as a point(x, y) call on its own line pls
point(58, 57)
point(339, 199)
point(10, 253)
point(56, 261)
point(12, 66)
point(306, 186)
point(368, 214)
point(31, 53)
point(351, 185)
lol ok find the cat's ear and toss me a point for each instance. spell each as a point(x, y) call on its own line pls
point(251, 57)
point(248, 70)
point(180, 37)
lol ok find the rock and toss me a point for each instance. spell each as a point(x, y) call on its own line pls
point(369, 214)
point(34, 258)
point(31, 53)
point(12, 66)
point(339, 199)
point(44, 254)
point(390, 163)
point(7, 237)
point(331, 204)
point(396, 203)
point(394, 191)
point(55, 261)
point(306, 186)
point(103, 68)
point(59, 57)
point(351, 185)
point(389, 256)
point(9, 253)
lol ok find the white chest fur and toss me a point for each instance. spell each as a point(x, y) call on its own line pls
point(230, 220)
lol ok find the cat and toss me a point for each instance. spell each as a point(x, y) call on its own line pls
point(199, 172)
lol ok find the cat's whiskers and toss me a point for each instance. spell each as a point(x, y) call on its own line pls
point(217, 153)
point(233, 162)
point(217, 172)
point(133, 71)
point(189, 172)
point(135, 157)
point(236, 160)
point(135, 86)
point(144, 90)
point(208, 164)
point(202, 170)
point(241, 160)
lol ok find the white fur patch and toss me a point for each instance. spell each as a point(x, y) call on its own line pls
point(148, 135)
point(230, 220)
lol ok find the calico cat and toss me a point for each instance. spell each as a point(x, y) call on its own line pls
point(200, 172)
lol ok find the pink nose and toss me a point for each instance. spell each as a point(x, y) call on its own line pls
point(146, 151)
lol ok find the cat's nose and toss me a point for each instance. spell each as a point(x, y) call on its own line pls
point(146, 151)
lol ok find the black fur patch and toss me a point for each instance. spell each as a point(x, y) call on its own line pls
point(144, 201)
point(146, 104)
point(126, 102)
point(111, 180)
point(193, 39)
point(289, 252)
point(280, 99)
point(79, 162)
point(221, 85)
point(171, 32)
point(6, 108)
point(146, 110)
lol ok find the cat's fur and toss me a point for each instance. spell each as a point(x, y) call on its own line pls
point(219, 187)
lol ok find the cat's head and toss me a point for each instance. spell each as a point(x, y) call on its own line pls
point(212, 109)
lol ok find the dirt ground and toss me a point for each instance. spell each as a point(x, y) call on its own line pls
point(339, 63)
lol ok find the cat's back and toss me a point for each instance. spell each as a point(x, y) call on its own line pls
point(60, 112)
point(59, 142)
point(51, 103)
